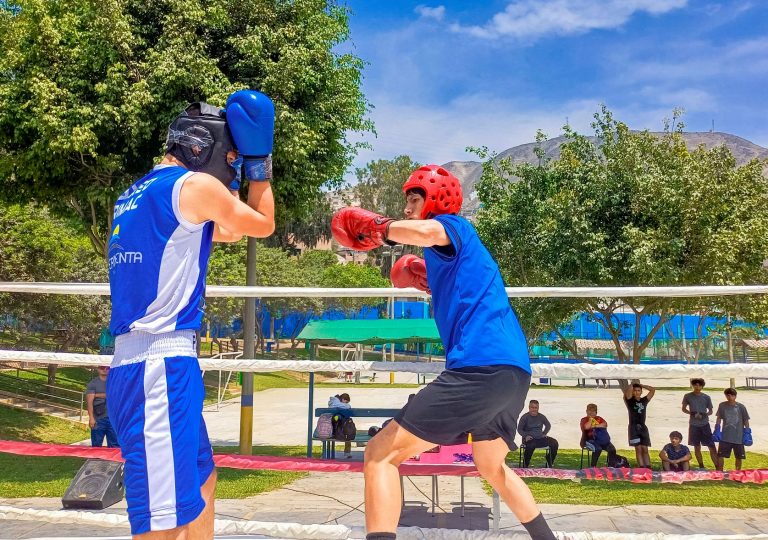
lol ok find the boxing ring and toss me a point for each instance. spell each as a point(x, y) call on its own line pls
point(258, 529)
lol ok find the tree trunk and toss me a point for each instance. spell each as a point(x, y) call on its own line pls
point(52, 373)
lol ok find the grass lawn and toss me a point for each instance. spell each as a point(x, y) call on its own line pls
point(22, 476)
point(21, 425)
point(49, 477)
point(719, 494)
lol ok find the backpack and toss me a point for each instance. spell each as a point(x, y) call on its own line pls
point(343, 428)
point(618, 461)
point(601, 436)
point(324, 429)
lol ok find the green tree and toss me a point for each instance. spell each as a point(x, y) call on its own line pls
point(380, 185)
point(314, 262)
point(379, 188)
point(633, 209)
point(87, 90)
point(36, 246)
point(353, 276)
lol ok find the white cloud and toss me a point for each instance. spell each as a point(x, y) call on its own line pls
point(435, 133)
point(528, 19)
point(683, 62)
point(426, 12)
point(690, 99)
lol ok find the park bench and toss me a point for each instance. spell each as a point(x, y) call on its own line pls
point(362, 437)
point(752, 381)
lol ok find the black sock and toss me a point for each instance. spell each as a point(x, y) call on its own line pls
point(538, 529)
point(382, 535)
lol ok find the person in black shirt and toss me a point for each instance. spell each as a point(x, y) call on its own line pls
point(637, 406)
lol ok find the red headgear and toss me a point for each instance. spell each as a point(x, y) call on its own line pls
point(442, 190)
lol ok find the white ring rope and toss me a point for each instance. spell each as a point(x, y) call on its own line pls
point(554, 370)
point(296, 531)
point(221, 526)
point(513, 292)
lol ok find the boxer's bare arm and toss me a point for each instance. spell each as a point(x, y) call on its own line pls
point(203, 198)
point(418, 232)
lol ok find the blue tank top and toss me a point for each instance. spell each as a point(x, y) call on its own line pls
point(157, 259)
point(476, 323)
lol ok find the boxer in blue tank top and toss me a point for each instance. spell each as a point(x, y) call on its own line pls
point(162, 231)
point(485, 383)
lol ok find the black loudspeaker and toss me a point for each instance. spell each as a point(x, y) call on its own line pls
point(97, 485)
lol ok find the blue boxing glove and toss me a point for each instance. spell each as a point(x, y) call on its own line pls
point(746, 438)
point(251, 120)
point(717, 435)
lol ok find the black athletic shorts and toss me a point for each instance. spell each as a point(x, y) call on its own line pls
point(700, 435)
point(638, 435)
point(484, 401)
point(724, 450)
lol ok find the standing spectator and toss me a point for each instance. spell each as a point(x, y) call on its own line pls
point(734, 418)
point(98, 419)
point(637, 406)
point(594, 435)
point(341, 401)
point(533, 428)
point(675, 456)
point(698, 406)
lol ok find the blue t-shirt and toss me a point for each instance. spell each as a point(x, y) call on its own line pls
point(157, 259)
point(676, 454)
point(472, 311)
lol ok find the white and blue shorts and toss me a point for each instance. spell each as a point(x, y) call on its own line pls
point(155, 403)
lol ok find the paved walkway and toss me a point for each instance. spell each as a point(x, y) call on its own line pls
point(334, 498)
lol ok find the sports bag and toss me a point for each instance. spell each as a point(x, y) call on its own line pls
point(324, 429)
point(618, 461)
point(343, 428)
point(601, 437)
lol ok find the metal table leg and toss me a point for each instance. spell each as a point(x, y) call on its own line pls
point(462, 495)
point(496, 512)
point(434, 493)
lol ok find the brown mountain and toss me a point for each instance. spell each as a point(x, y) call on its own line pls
point(469, 172)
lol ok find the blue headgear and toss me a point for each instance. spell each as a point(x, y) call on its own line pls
point(199, 137)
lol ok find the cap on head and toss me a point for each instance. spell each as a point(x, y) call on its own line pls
point(199, 137)
point(442, 189)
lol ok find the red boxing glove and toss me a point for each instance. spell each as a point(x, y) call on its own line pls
point(360, 229)
point(410, 271)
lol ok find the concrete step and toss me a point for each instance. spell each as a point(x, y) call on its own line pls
point(30, 404)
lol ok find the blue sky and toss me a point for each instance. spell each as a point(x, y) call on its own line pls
point(445, 75)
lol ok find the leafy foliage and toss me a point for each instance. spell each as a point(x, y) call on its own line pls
point(379, 188)
point(633, 209)
point(87, 90)
point(277, 268)
point(36, 246)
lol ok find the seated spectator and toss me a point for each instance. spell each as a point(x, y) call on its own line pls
point(594, 435)
point(533, 428)
point(675, 456)
point(341, 401)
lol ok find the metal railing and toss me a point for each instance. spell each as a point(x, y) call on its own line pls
point(47, 395)
point(222, 390)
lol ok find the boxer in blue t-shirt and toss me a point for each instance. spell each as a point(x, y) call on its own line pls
point(485, 383)
point(162, 230)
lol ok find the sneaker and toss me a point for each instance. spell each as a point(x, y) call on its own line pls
point(348, 456)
